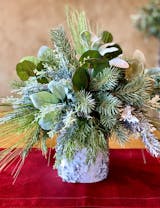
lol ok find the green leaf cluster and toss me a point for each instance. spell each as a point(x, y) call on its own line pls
point(29, 65)
point(43, 98)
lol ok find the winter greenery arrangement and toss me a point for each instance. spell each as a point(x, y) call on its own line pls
point(84, 95)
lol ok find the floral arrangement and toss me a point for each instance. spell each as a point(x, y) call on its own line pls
point(84, 95)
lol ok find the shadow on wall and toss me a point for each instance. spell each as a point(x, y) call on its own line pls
point(25, 25)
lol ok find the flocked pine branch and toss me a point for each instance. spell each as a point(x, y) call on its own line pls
point(106, 80)
point(85, 103)
point(148, 137)
point(136, 92)
point(62, 45)
point(109, 105)
point(139, 124)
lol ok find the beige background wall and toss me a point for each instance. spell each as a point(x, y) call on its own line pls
point(25, 24)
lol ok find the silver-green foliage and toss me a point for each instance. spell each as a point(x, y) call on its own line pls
point(85, 103)
point(136, 92)
point(107, 79)
point(63, 46)
point(120, 133)
point(79, 101)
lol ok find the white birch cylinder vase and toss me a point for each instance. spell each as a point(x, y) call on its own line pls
point(79, 170)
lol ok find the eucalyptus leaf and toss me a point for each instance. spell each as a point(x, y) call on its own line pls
point(114, 54)
point(118, 62)
point(107, 50)
point(40, 66)
point(80, 79)
point(47, 121)
point(43, 98)
point(90, 54)
point(96, 64)
point(57, 89)
point(42, 80)
point(93, 61)
point(86, 39)
point(25, 69)
point(99, 67)
point(32, 59)
point(41, 51)
point(135, 69)
point(106, 37)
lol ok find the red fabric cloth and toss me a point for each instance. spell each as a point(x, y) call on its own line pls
point(130, 183)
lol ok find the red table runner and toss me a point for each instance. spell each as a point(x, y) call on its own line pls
point(131, 183)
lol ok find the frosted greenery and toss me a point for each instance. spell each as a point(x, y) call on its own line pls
point(83, 95)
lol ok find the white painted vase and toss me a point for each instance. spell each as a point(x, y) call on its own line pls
point(79, 171)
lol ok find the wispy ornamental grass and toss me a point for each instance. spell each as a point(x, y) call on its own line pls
point(77, 23)
point(19, 133)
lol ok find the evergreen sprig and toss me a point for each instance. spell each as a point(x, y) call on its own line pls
point(136, 92)
point(120, 133)
point(106, 80)
point(85, 103)
point(61, 43)
point(108, 122)
point(109, 105)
